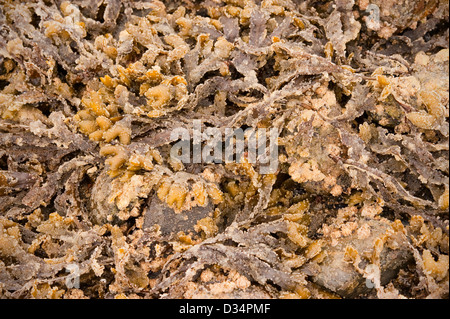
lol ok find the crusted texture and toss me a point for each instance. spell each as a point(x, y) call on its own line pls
point(90, 92)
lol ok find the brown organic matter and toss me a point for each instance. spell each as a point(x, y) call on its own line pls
point(91, 92)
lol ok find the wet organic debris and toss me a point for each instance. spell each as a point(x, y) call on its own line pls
point(90, 92)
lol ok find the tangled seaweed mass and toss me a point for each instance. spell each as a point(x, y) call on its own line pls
point(90, 92)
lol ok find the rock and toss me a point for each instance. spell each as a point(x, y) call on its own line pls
point(101, 206)
point(337, 274)
point(158, 213)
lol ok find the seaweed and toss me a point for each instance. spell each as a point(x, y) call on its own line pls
point(91, 93)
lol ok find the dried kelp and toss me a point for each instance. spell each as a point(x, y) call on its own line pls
point(91, 92)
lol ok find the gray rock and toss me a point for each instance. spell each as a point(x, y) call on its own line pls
point(100, 205)
point(157, 213)
point(341, 277)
